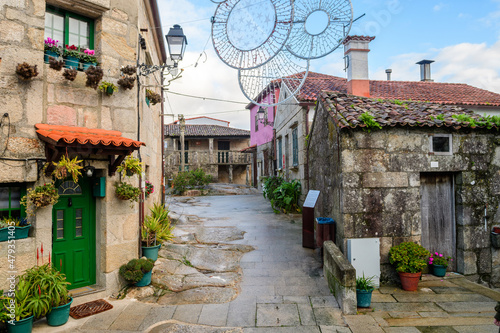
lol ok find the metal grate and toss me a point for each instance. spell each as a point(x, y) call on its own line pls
point(89, 308)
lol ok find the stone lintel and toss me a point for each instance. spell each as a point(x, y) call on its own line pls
point(385, 179)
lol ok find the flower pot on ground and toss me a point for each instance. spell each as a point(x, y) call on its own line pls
point(156, 229)
point(136, 269)
point(364, 290)
point(59, 315)
point(21, 326)
point(409, 281)
point(409, 259)
point(108, 88)
point(439, 263)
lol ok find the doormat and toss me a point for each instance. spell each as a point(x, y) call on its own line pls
point(89, 308)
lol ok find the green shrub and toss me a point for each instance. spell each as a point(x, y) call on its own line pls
point(284, 196)
point(186, 180)
point(134, 270)
point(270, 185)
point(408, 257)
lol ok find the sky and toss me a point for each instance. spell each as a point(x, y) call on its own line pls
point(462, 37)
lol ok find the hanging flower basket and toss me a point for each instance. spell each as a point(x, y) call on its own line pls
point(40, 196)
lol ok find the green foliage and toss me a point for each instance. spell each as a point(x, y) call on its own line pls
point(155, 98)
point(134, 270)
point(66, 167)
point(190, 179)
point(408, 257)
point(105, 85)
point(286, 196)
point(40, 196)
point(126, 191)
point(437, 258)
point(5, 306)
point(369, 121)
point(130, 166)
point(270, 185)
point(488, 121)
point(154, 230)
point(13, 221)
point(365, 283)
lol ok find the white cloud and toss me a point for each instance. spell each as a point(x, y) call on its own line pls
point(439, 6)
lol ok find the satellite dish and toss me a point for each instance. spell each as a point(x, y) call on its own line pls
point(319, 27)
point(259, 84)
point(247, 33)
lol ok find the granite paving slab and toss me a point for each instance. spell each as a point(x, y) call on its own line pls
point(473, 307)
point(277, 315)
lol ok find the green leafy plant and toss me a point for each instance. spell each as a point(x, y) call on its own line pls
point(365, 283)
point(108, 88)
point(369, 121)
point(52, 45)
point(130, 166)
point(408, 257)
point(13, 221)
point(134, 270)
point(48, 281)
point(125, 191)
point(269, 185)
point(155, 98)
point(66, 167)
point(149, 188)
point(39, 197)
point(72, 51)
point(185, 180)
point(286, 197)
point(5, 306)
point(437, 258)
point(89, 56)
point(154, 231)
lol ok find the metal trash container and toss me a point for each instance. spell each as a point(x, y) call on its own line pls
point(325, 230)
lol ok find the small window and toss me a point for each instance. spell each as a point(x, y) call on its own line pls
point(295, 147)
point(441, 144)
point(256, 123)
point(69, 187)
point(69, 28)
point(10, 201)
point(280, 158)
point(223, 145)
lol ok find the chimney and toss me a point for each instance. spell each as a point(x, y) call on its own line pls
point(388, 72)
point(425, 70)
point(356, 50)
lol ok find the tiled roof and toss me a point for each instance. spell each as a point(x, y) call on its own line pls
point(346, 110)
point(69, 134)
point(358, 38)
point(205, 130)
point(436, 92)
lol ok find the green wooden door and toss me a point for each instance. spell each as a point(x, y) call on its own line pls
point(73, 233)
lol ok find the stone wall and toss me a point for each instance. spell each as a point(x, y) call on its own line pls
point(49, 98)
point(374, 189)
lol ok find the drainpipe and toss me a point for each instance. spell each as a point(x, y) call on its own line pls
point(141, 201)
point(183, 128)
point(162, 122)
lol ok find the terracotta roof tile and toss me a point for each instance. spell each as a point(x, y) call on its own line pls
point(205, 130)
point(435, 92)
point(82, 135)
point(346, 110)
point(358, 38)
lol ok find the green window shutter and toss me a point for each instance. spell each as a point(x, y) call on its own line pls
point(295, 145)
point(10, 201)
point(280, 157)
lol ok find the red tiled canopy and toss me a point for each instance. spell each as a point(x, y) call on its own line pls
point(56, 134)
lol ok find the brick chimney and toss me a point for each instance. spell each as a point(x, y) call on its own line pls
point(356, 50)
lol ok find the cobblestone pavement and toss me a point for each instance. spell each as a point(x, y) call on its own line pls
point(283, 289)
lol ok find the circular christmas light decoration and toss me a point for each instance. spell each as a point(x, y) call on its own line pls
point(319, 27)
point(285, 72)
point(248, 33)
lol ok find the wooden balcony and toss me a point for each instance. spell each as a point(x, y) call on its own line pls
point(217, 157)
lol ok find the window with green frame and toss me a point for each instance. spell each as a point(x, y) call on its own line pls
point(69, 28)
point(295, 147)
point(10, 200)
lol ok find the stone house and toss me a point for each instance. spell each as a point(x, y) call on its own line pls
point(90, 231)
point(292, 119)
point(423, 176)
point(217, 149)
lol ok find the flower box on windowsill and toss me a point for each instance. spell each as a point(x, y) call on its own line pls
point(19, 233)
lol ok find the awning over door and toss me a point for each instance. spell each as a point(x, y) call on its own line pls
point(71, 140)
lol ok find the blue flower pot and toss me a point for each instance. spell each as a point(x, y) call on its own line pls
point(86, 65)
point(22, 326)
point(364, 298)
point(19, 233)
point(59, 315)
point(71, 62)
point(151, 252)
point(145, 281)
point(48, 54)
point(439, 270)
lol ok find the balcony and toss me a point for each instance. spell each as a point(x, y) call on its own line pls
point(217, 157)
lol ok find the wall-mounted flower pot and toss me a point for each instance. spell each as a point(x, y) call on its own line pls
point(86, 65)
point(495, 240)
point(71, 62)
point(19, 233)
point(48, 54)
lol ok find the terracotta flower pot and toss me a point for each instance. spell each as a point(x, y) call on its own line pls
point(409, 281)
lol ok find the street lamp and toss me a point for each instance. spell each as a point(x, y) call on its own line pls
point(260, 115)
point(176, 41)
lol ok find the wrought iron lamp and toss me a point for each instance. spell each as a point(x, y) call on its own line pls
point(176, 41)
point(260, 115)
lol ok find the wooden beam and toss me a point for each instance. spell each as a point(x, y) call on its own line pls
point(114, 163)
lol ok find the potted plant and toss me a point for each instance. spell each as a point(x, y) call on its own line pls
point(137, 271)
point(71, 56)
point(155, 230)
point(88, 59)
point(130, 166)
point(108, 88)
point(56, 64)
point(94, 76)
point(126, 82)
point(439, 263)
point(22, 320)
point(39, 197)
point(51, 49)
point(153, 97)
point(129, 70)
point(409, 259)
point(17, 227)
point(67, 167)
point(26, 72)
point(70, 74)
point(149, 188)
point(364, 289)
point(126, 191)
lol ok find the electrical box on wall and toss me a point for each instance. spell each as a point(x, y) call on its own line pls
point(99, 187)
point(364, 256)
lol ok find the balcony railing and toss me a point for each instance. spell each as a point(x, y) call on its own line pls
point(217, 157)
